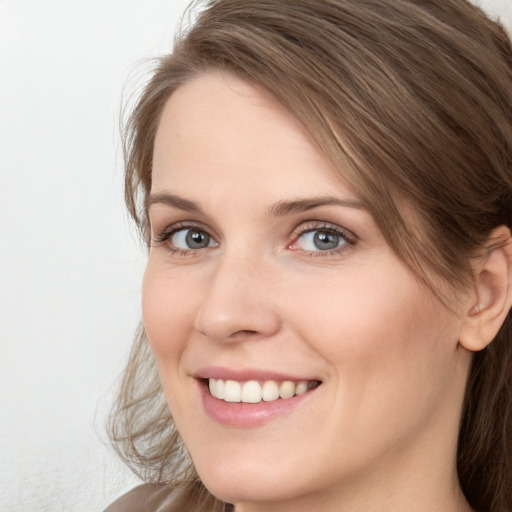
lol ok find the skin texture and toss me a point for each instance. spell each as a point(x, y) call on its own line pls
point(380, 432)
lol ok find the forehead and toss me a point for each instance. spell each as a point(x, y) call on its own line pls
point(217, 128)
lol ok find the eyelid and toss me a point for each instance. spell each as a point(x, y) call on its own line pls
point(164, 235)
point(310, 226)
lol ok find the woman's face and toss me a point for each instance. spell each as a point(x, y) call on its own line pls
point(266, 269)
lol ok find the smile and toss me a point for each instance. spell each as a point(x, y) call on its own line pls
point(253, 391)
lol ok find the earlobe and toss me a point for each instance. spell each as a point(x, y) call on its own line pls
point(492, 298)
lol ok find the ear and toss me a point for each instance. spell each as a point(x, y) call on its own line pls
point(491, 299)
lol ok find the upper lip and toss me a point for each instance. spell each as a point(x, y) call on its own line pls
point(244, 375)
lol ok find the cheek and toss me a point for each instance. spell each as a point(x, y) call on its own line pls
point(364, 310)
point(383, 334)
point(391, 351)
point(168, 316)
point(167, 311)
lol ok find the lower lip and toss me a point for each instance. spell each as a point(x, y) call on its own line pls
point(243, 415)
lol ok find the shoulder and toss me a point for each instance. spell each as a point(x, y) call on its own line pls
point(144, 498)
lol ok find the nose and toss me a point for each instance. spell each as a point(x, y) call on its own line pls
point(239, 302)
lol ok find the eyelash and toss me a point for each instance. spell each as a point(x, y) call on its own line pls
point(323, 227)
point(349, 238)
point(165, 236)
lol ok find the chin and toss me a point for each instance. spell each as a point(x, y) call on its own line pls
point(245, 477)
point(247, 485)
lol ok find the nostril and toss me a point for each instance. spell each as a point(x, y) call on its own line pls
point(224, 319)
point(244, 333)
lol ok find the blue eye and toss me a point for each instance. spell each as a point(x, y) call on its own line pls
point(318, 240)
point(191, 239)
point(322, 239)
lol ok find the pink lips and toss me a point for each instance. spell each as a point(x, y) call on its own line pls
point(245, 415)
point(217, 372)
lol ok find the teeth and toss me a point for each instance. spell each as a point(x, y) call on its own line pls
point(287, 389)
point(270, 391)
point(232, 391)
point(301, 388)
point(218, 388)
point(253, 392)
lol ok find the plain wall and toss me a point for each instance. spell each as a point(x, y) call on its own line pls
point(70, 262)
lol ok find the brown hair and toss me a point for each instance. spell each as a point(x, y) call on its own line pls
point(412, 101)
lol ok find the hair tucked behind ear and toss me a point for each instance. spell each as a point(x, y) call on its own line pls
point(412, 101)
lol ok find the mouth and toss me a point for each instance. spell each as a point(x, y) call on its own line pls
point(251, 398)
point(254, 391)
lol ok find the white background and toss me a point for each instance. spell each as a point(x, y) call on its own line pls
point(70, 263)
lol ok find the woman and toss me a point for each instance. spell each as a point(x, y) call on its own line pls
point(325, 192)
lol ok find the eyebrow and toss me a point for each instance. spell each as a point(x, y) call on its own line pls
point(174, 201)
point(279, 209)
point(282, 208)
